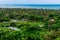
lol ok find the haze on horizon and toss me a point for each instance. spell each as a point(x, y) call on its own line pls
point(29, 1)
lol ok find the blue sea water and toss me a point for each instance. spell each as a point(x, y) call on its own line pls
point(38, 6)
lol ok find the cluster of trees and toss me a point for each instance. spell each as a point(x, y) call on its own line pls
point(34, 24)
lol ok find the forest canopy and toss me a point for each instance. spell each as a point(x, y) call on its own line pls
point(29, 24)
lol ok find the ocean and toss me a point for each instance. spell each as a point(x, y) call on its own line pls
point(38, 6)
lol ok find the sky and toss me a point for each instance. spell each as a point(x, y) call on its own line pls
point(29, 1)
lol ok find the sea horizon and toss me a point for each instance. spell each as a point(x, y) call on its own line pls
point(39, 6)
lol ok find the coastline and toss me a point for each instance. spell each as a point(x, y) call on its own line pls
point(33, 6)
point(30, 7)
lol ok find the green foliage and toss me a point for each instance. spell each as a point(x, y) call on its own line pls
point(34, 24)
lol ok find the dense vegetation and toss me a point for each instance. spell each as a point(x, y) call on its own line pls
point(34, 24)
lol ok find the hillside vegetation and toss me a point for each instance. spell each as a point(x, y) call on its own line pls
point(29, 24)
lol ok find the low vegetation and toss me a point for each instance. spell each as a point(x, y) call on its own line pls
point(33, 24)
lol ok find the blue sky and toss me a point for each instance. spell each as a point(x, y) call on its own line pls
point(29, 1)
